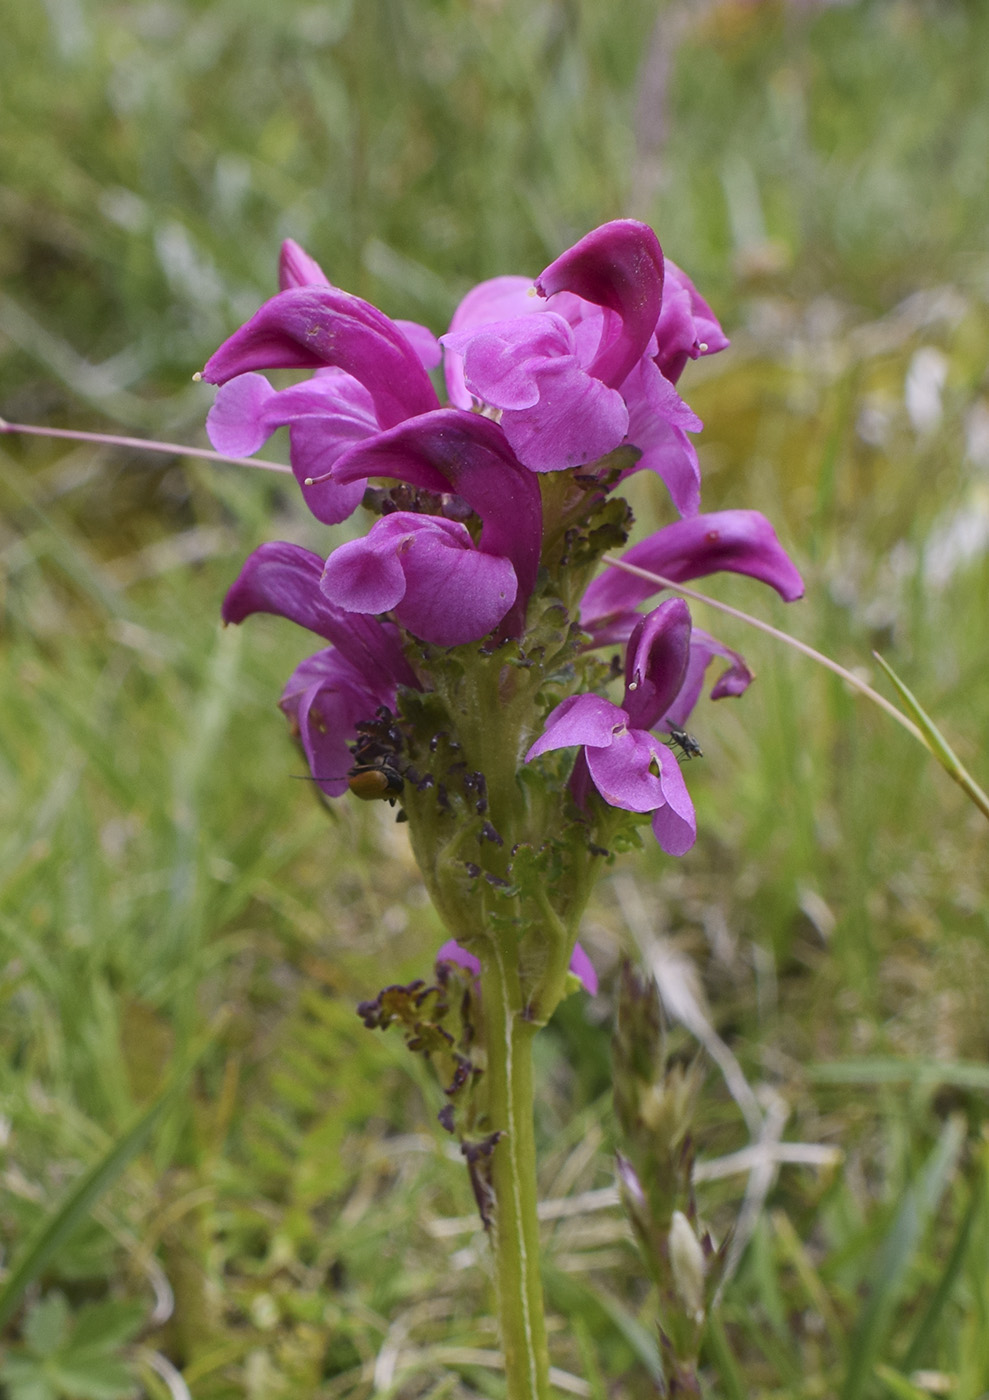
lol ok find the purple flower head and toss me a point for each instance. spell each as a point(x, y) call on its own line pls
point(330, 693)
point(463, 453)
point(740, 541)
point(573, 383)
point(733, 681)
point(629, 766)
point(325, 699)
point(428, 572)
point(657, 660)
point(580, 964)
point(618, 267)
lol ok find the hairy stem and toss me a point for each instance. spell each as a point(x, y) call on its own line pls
point(515, 1230)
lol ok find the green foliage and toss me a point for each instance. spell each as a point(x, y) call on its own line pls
point(66, 1357)
point(165, 881)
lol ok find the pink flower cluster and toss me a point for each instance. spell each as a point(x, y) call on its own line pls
point(541, 377)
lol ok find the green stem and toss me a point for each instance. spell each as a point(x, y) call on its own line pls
point(515, 1232)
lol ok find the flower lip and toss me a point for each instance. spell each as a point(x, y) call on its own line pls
point(451, 450)
point(428, 572)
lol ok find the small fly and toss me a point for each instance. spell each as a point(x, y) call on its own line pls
point(684, 744)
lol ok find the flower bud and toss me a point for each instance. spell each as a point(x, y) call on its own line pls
point(688, 1265)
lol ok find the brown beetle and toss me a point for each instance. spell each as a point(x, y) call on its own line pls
point(376, 781)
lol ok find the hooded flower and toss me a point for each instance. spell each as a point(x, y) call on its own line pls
point(629, 766)
point(449, 451)
point(596, 367)
point(370, 373)
point(330, 693)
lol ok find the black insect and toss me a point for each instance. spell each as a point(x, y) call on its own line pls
point(684, 744)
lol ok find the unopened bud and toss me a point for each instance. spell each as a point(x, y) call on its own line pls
point(688, 1265)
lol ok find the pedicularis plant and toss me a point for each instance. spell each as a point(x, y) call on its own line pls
point(483, 673)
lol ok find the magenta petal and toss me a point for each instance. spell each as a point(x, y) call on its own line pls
point(423, 342)
point(237, 423)
point(326, 696)
point(498, 299)
point(623, 773)
point(582, 968)
point(580, 719)
point(739, 541)
point(658, 423)
point(453, 595)
point(687, 327)
point(674, 823)
point(577, 420)
point(732, 682)
point(364, 576)
point(313, 452)
point(428, 571)
point(324, 738)
point(326, 415)
point(297, 269)
point(618, 266)
point(502, 362)
point(311, 327)
point(656, 662)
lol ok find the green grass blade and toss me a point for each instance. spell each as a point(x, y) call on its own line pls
point(719, 1353)
point(895, 1254)
point(957, 1074)
point(898, 1386)
point(938, 744)
point(928, 1323)
point(58, 1227)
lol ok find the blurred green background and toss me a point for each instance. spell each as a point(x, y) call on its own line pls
point(288, 1225)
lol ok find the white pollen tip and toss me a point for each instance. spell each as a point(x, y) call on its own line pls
point(309, 481)
point(702, 346)
point(197, 377)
